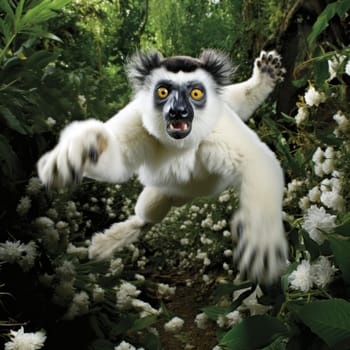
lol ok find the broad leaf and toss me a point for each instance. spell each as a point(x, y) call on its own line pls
point(329, 319)
point(341, 249)
point(254, 333)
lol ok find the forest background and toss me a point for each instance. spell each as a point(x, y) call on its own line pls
point(63, 60)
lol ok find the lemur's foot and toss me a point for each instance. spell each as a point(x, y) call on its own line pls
point(269, 64)
point(118, 236)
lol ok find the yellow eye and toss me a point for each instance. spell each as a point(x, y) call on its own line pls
point(162, 92)
point(197, 94)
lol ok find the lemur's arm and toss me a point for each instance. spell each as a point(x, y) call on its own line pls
point(110, 151)
point(245, 97)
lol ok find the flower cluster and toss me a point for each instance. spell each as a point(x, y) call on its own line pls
point(307, 275)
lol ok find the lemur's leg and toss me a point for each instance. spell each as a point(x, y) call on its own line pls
point(245, 97)
point(151, 207)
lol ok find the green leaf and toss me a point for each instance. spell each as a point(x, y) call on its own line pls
point(329, 319)
point(144, 322)
point(341, 248)
point(213, 312)
point(340, 7)
point(312, 247)
point(254, 333)
point(344, 228)
point(11, 120)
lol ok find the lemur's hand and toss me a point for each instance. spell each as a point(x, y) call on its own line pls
point(80, 143)
point(261, 252)
point(268, 66)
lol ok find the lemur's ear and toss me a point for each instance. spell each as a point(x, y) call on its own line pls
point(218, 65)
point(141, 65)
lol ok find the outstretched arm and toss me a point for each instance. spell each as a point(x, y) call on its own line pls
point(110, 151)
point(235, 153)
point(245, 97)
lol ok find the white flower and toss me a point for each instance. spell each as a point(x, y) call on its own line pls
point(66, 271)
point(116, 267)
point(64, 292)
point(333, 200)
point(25, 341)
point(233, 318)
point(50, 122)
point(124, 346)
point(301, 278)
point(201, 321)
point(24, 205)
point(145, 308)
point(347, 68)
point(313, 97)
point(342, 122)
point(304, 203)
point(225, 197)
point(174, 325)
point(16, 252)
point(318, 156)
point(301, 116)
point(333, 65)
point(81, 252)
point(34, 186)
point(314, 194)
point(125, 295)
point(322, 272)
point(79, 306)
point(317, 221)
point(165, 290)
point(98, 294)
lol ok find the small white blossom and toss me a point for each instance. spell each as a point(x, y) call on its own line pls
point(124, 346)
point(116, 267)
point(24, 205)
point(333, 65)
point(347, 68)
point(317, 221)
point(19, 253)
point(318, 156)
point(174, 325)
point(301, 116)
point(34, 186)
point(78, 307)
point(229, 320)
point(202, 321)
point(322, 272)
point(25, 341)
point(314, 194)
point(98, 294)
point(333, 200)
point(145, 308)
point(313, 97)
point(301, 278)
point(50, 122)
point(125, 295)
point(165, 290)
point(342, 123)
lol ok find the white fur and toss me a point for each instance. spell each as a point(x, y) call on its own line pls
point(220, 151)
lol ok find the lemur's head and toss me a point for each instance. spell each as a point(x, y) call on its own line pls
point(180, 94)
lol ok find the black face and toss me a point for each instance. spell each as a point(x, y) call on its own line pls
point(178, 103)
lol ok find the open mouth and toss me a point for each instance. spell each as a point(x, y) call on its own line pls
point(178, 129)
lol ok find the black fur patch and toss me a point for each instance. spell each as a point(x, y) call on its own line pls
point(215, 63)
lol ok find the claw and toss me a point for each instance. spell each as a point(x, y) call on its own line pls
point(93, 155)
point(239, 230)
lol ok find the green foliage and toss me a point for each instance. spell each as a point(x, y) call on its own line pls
point(340, 8)
point(329, 319)
point(253, 333)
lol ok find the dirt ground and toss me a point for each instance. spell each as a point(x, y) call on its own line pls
point(186, 304)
